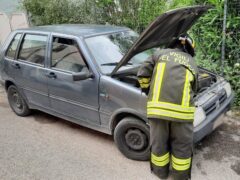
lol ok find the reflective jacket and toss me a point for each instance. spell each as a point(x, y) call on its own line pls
point(170, 78)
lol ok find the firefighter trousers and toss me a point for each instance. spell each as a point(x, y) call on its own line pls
point(171, 143)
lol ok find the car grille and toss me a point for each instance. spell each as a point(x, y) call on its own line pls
point(215, 102)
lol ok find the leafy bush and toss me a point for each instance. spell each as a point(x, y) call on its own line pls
point(208, 35)
point(137, 14)
point(42, 12)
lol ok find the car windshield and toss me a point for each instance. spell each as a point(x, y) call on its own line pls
point(109, 49)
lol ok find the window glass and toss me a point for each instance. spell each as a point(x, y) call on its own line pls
point(66, 55)
point(33, 48)
point(109, 49)
point(13, 46)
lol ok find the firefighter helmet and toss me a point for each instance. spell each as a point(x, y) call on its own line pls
point(188, 44)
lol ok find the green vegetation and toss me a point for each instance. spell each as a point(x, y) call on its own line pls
point(137, 14)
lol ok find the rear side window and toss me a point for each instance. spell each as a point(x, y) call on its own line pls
point(66, 55)
point(33, 48)
point(12, 48)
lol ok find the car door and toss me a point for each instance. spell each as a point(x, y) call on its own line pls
point(27, 68)
point(76, 99)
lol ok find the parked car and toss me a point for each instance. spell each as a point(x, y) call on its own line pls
point(86, 74)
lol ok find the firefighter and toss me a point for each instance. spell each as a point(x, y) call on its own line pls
point(170, 79)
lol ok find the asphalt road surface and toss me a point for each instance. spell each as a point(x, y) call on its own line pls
point(45, 147)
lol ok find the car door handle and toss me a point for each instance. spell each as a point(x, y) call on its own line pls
point(51, 75)
point(16, 65)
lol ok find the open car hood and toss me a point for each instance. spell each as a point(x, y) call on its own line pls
point(163, 30)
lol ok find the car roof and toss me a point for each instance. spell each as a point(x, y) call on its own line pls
point(82, 30)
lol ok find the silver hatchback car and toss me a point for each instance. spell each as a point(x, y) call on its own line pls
point(86, 74)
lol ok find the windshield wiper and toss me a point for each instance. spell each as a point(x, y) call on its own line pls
point(114, 64)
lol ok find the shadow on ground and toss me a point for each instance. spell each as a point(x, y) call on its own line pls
point(44, 118)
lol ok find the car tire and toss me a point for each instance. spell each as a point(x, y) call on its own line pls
point(132, 137)
point(17, 102)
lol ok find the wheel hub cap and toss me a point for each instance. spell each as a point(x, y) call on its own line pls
point(136, 139)
point(17, 100)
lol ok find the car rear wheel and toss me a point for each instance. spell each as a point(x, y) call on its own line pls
point(131, 136)
point(16, 102)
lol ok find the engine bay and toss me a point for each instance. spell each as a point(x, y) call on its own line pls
point(205, 79)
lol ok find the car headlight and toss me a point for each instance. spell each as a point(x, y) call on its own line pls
point(228, 89)
point(199, 116)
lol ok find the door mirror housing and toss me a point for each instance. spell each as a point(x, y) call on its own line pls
point(82, 76)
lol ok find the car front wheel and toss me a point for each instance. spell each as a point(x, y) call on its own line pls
point(16, 101)
point(131, 136)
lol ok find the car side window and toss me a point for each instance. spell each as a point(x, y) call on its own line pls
point(33, 48)
point(12, 48)
point(66, 55)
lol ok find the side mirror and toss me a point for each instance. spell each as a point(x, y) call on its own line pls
point(82, 76)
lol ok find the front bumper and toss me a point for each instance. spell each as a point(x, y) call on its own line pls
point(207, 126)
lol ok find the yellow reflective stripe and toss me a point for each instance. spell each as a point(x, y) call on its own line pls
point(158, 81)
point(144, 80)
point(161, 163)
point(185, 93)
point(181, 164)
point(186, 90)
point(160, 112)
point(190, 78)
point(181, 167)
point(181, 161)
point(160, 160)
point(170, 106)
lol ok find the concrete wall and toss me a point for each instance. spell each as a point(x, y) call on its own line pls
point(9, 6)
point(10, 23)
point(10, 19)
point(5, 28)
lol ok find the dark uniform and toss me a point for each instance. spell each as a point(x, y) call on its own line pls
point(169, 77)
